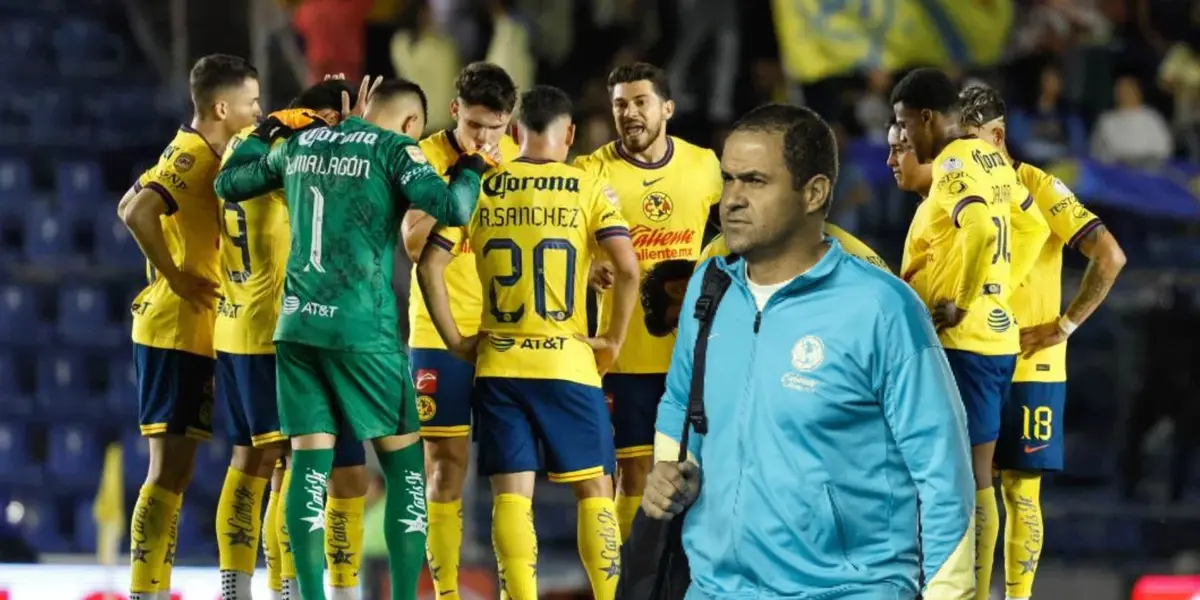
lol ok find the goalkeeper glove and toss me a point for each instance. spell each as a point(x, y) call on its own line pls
point(283, 123)
point(472, 161)
point(662, 294)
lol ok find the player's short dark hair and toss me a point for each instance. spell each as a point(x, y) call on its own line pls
point(487, 85)
point(809, 146)
point(927, 89)
point(542, 105)
point(326, 95)
point(980, 104)
point(215, 72)
point(395, 88)
point(640, 71)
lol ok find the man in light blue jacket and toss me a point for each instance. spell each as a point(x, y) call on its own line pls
point(836, 464)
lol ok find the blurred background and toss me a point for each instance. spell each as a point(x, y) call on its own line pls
point(1103, 93)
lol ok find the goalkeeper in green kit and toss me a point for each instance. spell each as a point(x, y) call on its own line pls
point(338, 354)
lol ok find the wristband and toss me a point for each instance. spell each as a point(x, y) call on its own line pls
point(1066, 325)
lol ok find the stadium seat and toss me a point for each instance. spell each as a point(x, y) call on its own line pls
point(85, 525)
point(79, 183)
point(83, 317)
point(15, 182)
point(40, 524)
point(16, 400)
point(61, 384)
point(122, 389)
point(16, 464)
point(48, 240)
point(212, 457)
point(20, 320)
point(114, 247)
point(73, 457)
point(136, 458)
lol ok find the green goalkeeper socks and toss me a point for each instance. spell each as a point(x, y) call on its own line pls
point(305, 515)
point(406, 524)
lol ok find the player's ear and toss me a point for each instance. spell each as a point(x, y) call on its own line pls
point(516, 132)
point(570, 139)
point(817, 194)
point(454, 109)
point(668, 109)
point(221, 110)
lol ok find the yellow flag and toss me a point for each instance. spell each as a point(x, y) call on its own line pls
point(108, 510)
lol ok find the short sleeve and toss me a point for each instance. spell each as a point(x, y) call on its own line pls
point(174, 174)
point(448, 238)
point(957, 186)
point(712, 171)
point(604, 213)
point(1069, 219)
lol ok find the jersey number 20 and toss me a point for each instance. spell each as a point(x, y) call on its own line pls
point(516, 271)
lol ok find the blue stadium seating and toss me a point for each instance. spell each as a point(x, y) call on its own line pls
point(16, 466)
point(41, 524)
point(20, 321)
point(15, 180)
point(114, 247)
point(135, 457)
point(62, 385)
point(79, 183)
point(122, 388)
point(85, 525)
point(15, 402)
point(83, 317)
point(213, 457)
point(73, 458)
point(48, 240)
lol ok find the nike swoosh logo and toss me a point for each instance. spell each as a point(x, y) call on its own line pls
point(650, 182)
point(1031, 450)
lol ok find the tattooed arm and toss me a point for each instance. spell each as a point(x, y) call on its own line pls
point(1105, 261)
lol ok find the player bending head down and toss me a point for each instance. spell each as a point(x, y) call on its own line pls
point(483, 106)
point(398, 105)
point(927, 111)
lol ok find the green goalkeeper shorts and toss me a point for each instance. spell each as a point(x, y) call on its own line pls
point(319, 389)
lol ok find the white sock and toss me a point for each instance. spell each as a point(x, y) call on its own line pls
point(344, 593)
point(166, 595)
point(291, 589)
point(143, 595)
point(235, 585)
point(277, 595)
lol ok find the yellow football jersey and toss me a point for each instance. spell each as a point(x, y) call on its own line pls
point(183, 177)
point(666, 205)
point(255, 242)
point(1038, 299)
point(466, 295)
point(533, 231)
point(968, 171)
point(852, 245)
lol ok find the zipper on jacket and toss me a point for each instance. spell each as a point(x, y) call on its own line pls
point(740, 424)
point(757, 321)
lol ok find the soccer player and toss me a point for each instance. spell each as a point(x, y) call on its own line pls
point(667, 188)
point(485, 97)
point(1031, 431)
point(170, 212)
point(538, 382)
point(254, 249)
point(966, 228)
point(338, 358)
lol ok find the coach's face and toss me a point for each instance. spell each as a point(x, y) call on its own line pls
point(759, 205)
point(917, 127)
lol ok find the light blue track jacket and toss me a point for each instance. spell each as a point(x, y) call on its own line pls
point(836, 463)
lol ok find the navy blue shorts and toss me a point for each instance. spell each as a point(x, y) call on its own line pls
point(983, 382)
point(443, 385)
point(175, 392)
point(634, 399)
point(569, 422)
point(1031, 434)
point(246, 391)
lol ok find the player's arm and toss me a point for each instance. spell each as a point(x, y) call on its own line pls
point(431, 277)
point(251, 171)
point(415, 228)
point(1105, 261)
point(924, 412)
point(142, 209)
point(425, 191)
point(626, 275)
point(967, 200)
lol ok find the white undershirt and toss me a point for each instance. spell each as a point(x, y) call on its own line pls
point(763, 293)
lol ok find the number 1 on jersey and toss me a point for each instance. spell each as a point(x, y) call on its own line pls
point(318, 220)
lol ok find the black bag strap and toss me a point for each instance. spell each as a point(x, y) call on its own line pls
point(712, 289)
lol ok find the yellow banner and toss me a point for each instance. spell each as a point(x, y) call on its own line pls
point(826, 38)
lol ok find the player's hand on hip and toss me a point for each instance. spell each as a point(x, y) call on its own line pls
point(365, 90)
point(946, 314)
point(198, 291)
point(605, 350)
point(671, 487)
point(1039, 337)
point(601, 275)
point(466, 348)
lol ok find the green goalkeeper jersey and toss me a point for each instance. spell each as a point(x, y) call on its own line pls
point(347, 189)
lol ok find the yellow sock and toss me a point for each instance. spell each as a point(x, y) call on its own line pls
point(1022, 530)
point(287, 562)
point(164, 576)
point(239, 520)
point(627, 507)
point(987, 529)
point(344, 539)
point(515, 542)
point(149, 535)
point(270, 537)
point(444, 545)
point(599, 537)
